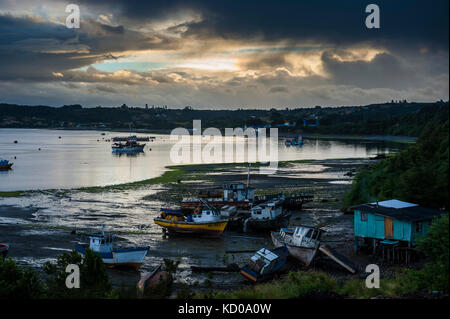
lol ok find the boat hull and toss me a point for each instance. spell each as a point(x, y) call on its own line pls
point(209, 229)
point(4, 248)
point(6, 167)
point(126, 257)
point(304, 254)
point(136, 149)
point(194, 204)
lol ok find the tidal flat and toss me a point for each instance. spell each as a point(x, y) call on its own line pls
point(40, 225)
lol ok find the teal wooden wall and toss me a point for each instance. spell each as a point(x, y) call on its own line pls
point(373, 227)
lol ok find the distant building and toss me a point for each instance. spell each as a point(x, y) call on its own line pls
point(393, 224)
point(308, 123)
point(237, 192)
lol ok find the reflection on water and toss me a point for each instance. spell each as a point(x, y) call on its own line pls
point(48, 159)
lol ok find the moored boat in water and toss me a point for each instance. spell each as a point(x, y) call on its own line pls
point(130, 146)
point(265, 263)
point(122, 257)
point(5, 164)
point(302, 242)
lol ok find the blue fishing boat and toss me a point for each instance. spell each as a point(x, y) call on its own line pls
point(265, 263)
point(4, 248)
point(5, 164)
point(123, 257)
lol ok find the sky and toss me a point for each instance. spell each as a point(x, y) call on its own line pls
point(223, 54)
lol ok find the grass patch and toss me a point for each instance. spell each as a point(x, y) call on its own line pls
point(306, 284)
point(12, 194)
point(172, 175)
point(295, 284)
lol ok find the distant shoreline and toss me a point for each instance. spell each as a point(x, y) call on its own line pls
point(311, 136)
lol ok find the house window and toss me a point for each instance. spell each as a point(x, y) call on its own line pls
point(363, 217)
point(418, 227)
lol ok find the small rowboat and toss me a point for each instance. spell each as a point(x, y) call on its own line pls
point(5, 164)
point(265, 263)
point(4, 248)
point(152, 280)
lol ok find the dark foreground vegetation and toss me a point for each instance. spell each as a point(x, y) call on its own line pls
point(394, 118)
point(21, 282)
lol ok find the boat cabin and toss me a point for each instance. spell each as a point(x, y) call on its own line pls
point(238, 192)
point(302, 236)
point(268, 210)
point(263, 261)
point(391, 222)
point(206, 215)
point(228, 210)
point(100, 243)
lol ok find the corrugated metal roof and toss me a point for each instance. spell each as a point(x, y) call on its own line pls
point(394, 203)
point(408, 213)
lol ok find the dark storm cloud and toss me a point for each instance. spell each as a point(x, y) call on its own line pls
point(403, 23)
point(272, 52)
point(384, 70)
point(33, 49)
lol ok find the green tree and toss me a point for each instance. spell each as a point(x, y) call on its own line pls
point(94, 280)
point(19, 282)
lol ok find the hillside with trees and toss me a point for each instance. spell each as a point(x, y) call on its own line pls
point(418, 174)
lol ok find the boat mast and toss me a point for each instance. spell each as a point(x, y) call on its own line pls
point(248, 176)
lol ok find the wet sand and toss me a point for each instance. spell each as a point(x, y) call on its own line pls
point(41, 228)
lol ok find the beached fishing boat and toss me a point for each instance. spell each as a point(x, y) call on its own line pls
point(4, 248)
point(153, 279)
point(267, 216)
point(122, 257)
point(207, 222)
point(5, 164)
point(302, 242)
point(234, 194)
point(265, 263)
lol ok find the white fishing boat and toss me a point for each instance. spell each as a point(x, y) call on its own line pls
point(121, 257)
point(267, 216)
point(302, 242)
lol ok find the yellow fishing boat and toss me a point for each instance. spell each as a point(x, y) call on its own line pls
point(208, 222)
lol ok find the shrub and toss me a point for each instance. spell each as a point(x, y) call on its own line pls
point(94, 280)
point(19, 282)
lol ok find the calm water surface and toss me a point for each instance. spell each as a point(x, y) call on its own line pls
point(42, 160)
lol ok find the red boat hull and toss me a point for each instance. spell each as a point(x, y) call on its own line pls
point(6, 167)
